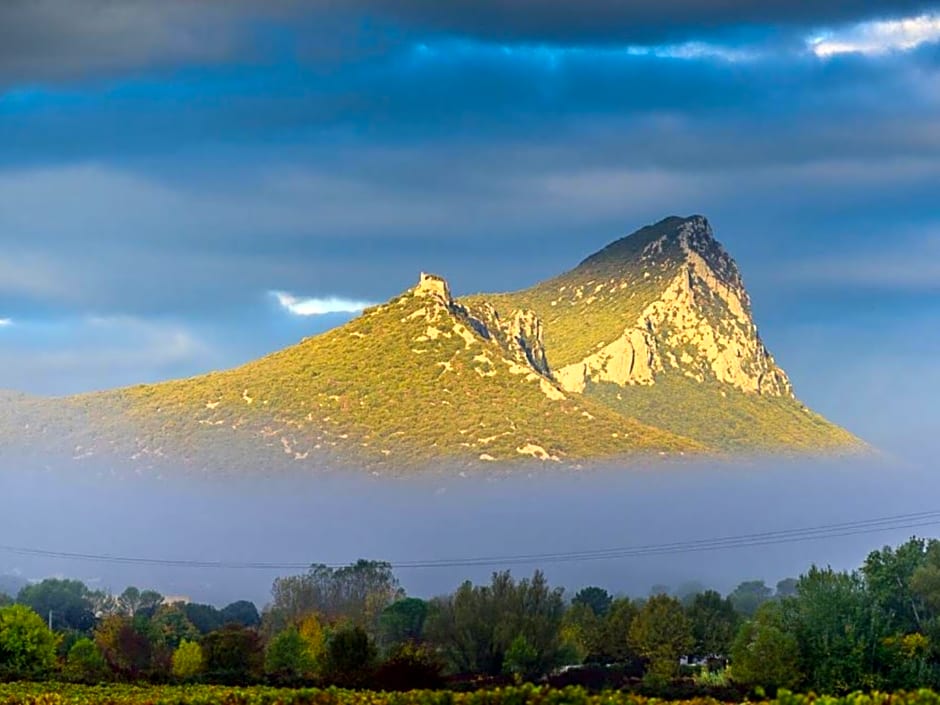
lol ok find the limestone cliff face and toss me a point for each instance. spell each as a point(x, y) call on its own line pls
point(699, 324)
point(519, 335)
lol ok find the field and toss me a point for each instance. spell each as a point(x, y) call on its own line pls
point(65, 694)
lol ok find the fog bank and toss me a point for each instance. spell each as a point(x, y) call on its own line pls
point(339, 518)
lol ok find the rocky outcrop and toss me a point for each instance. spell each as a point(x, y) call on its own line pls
point(520, 335)
point(700, 325)
point(631, 359)
point(524, 329)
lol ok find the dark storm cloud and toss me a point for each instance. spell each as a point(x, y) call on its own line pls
point(453, 92)
point(42, 39)
point(53, 39)
point(502, 152)
point(590, 21)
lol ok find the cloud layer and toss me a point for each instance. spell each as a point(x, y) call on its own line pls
point(300, 306)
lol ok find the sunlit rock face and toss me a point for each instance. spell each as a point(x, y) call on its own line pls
point(697, 323)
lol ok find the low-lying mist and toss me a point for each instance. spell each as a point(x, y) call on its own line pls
point(338, 518)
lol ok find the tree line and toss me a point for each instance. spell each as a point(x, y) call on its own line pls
point(828, 631)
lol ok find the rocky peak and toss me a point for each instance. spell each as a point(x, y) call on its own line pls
point(701, 250)
point(695, 322)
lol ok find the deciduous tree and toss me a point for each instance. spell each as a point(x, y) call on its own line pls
point(233, 654)
point(350, 657)
point(188, 661)
point(27, 647)
point(125, 645)
point(661, 633)
point(358, 593)
point(714, 624)
point(764, 653)
point(85, 663)
point(288, 659)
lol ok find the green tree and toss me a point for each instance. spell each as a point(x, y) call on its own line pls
point(925, 580)
point(614, 645)
point(750, 595)
point(288, 659)
point(581, 633)
point(402, 622)
point(597, 599)
point(27, 647)
point(242, 612)
point(475, 626)
point(837, 631)
point(522, 659)
point(5, 600)
point(888, 576)
point(171, 627)
point(205, 618)
point(134, 601)
point(661, 633)
point(714, 624)
point(233, 655)
point(188, 661)
point(350, 657)
point(764, 653)
point(357, 593)
point(907, 664)
point(85, 664)
point(68, 601)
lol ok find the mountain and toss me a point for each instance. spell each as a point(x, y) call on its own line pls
point(647, 347)
point(658, 325)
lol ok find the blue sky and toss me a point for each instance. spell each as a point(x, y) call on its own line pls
point(187, 184)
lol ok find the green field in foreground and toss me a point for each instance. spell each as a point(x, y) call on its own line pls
point(65, 694)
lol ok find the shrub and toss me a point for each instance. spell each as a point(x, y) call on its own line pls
point(27, 647)
point(85, 664)
point(188, 661)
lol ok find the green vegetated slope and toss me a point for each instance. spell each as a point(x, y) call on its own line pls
point(669, 299)
point(414, 380)
point(726, 418)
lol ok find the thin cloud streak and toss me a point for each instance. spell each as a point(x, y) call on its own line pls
point(318, 306)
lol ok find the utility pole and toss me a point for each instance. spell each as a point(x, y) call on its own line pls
point(50, 620)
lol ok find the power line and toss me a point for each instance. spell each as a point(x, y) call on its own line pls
point(768, 538)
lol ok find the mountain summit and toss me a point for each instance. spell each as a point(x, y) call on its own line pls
point(659, 325)
point(665, 300)
point(646, 347)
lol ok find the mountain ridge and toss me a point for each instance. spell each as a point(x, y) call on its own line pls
point(647, 347)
